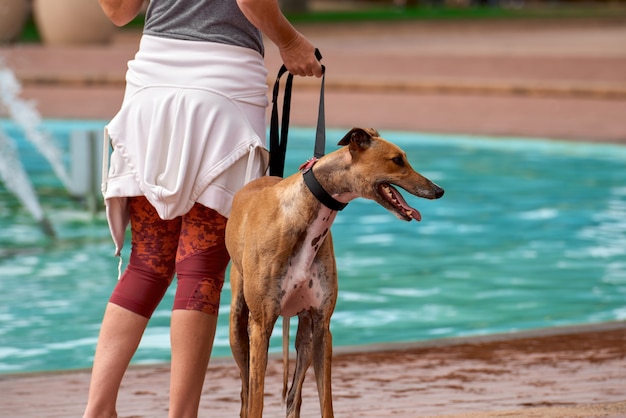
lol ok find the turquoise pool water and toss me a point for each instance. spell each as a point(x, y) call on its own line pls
point(530, 234)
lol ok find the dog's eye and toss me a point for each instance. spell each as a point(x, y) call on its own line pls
point(398, 160)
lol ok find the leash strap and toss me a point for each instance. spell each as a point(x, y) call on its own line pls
point(278, 138)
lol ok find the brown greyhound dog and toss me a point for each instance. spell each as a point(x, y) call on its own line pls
point(283, 262)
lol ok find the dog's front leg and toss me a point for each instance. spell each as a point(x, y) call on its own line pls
point(320, 320)
point(260, 333)
point(322, 360)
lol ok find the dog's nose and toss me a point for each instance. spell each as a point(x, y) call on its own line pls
point(438, 192)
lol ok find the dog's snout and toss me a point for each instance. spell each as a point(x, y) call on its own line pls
point(438, 192)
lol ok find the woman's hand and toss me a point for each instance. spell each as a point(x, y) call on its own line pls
point(299, 57)
point(297, 53)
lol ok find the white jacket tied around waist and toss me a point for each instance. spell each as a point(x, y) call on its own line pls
point(191, 129)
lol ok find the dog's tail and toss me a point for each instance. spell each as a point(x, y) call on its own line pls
point(285, 356)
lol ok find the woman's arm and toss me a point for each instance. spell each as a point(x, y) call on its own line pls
point(297, 52)
point(120, 12)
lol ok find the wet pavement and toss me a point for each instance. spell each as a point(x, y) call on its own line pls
point(566, 372)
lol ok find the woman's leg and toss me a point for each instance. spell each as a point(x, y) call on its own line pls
point(132, 303)
point(192, 334)
point(200, 268)
point(119, 337)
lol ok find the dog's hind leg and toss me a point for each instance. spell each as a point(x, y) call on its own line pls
point(239, 340)
point(304, 345)
point(260, 330)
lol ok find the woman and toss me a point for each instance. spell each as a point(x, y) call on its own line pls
point(189, 134)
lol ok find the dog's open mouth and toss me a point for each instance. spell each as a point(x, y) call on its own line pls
point(393, 196)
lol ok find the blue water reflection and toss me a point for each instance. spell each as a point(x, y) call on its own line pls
point(529, 234)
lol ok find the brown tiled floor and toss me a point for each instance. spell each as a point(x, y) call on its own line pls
point(560, 80)
point(577, 372)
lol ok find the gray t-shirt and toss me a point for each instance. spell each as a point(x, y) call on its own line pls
point(218, 21)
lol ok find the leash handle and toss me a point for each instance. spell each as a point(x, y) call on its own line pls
point(278, 138)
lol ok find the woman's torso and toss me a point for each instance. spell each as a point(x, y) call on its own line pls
point(218, 21)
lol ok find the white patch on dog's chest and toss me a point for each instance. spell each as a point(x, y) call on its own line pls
point(301, 287)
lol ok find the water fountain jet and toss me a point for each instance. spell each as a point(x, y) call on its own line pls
point(15, 179)
point(12, 172)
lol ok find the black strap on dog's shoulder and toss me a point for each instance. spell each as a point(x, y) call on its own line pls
point(278, 140)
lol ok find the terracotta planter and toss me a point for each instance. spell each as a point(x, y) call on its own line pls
point(13, 14)
point(72, 22)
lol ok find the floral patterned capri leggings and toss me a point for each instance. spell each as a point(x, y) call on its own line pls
point(192, 246)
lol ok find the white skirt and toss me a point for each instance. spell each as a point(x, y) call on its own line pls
point(191, 129)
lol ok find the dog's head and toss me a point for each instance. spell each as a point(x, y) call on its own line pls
point(378, 166)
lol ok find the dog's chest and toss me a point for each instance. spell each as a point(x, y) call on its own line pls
point(304, 282)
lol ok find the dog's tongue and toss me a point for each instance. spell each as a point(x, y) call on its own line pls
point(409, 211)
point(413, 213)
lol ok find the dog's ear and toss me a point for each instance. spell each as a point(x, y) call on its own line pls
point(360, 137)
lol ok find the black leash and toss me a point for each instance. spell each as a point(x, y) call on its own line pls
point(278, 140)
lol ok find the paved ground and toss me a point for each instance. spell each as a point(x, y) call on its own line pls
point(578, 372)
point(561, 80)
